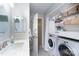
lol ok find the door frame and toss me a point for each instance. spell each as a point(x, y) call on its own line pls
point(35, 34)
point(42, 31)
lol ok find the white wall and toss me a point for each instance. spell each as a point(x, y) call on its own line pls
point(5, 26)
point(22, 9)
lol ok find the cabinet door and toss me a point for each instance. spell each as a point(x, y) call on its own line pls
point(72, 11)
point(77, 8)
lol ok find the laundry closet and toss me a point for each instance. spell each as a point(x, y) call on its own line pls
point(60, 29)
point(66, 20)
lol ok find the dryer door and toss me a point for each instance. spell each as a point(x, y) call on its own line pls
point(51, 43)
point(65, 50)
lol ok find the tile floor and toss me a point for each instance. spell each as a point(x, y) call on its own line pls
point(41, 52)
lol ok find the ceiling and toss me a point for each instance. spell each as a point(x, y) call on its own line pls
point(51, 9)
point(40, 8)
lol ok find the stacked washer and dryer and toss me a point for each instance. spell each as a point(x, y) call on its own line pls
point(50, 37)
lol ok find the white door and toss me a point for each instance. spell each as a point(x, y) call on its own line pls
point(35, 35)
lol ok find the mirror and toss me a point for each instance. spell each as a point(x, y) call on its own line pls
point(19, 24)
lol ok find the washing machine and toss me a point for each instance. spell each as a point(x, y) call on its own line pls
point(67, 46)
point(52, 44)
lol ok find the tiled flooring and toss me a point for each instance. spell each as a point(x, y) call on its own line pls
point(41, 52)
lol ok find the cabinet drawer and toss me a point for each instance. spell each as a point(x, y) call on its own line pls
point(72, 11)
